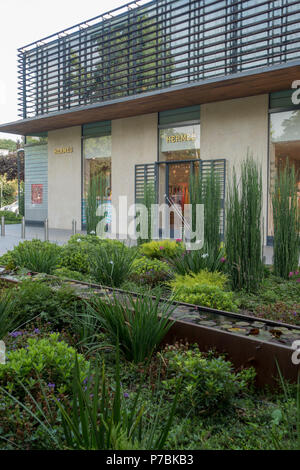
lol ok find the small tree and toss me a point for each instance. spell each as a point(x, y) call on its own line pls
point(286, 221)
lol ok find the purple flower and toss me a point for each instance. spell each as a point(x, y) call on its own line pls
point(126, 395)
point(36, 331)
point(298, 280)
point(291, 274)
point(50, 385)
point(15, 334)
point(161, 248)
point(223, 260)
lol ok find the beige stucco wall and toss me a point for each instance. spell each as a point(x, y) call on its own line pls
point(134, 141)
point(64, 179)
point(231, 129)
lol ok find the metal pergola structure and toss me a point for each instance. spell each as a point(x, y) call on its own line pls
point(152, 45)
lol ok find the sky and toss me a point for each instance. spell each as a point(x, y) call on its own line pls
point(26, 21)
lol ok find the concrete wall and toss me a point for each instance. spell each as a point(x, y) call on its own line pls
point(231, 129)
point(134, 141)
point(64, 179)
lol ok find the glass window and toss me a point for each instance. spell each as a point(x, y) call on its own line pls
point(97, 162)
point(284, 147)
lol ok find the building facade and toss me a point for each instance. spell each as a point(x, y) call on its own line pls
point(155, 91)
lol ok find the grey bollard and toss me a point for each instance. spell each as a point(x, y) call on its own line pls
point(46, 226)
point(23, 228)
point(74, 227)
point(2, 226)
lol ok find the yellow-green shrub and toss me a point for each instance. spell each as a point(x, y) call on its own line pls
point(161, 249)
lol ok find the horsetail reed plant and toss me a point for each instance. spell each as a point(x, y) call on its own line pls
point(95, 197)
point(149, 198)
point(243, 227)
point(212, 212)
point(286, 219)
point(207, 190)
point(196, 196)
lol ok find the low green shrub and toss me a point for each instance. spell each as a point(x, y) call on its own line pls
point(79, 250)
point(208, 384)
point(205, 289)
point(149, 271)
point(35, 298)
point(49, 359)
point(65, 273)
point(35, 255)
point(207, 296)
point(75, 256)
point(161, 249)
point(11, 217)
point(202, 277)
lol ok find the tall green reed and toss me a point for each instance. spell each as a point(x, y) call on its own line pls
point(149, 198)
point(244, 227)
point(207, 190)
point(286, 219)
point(95, 197)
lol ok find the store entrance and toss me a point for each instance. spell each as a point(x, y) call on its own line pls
point(174, 184)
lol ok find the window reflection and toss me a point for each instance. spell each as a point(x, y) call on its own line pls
point(284, 147)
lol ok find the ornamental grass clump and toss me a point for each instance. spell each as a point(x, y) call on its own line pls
point(286, 219)
point(194, 261)
point(36, 256)
point(244, 228)
point(139, 324)
point(110, 265)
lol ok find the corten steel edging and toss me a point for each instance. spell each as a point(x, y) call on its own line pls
point(240, 350)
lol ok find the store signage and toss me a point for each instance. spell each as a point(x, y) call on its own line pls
point(37, 194)
point(172, 139)
point(63, 150)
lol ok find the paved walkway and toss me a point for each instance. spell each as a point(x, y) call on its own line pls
point(13, 236)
